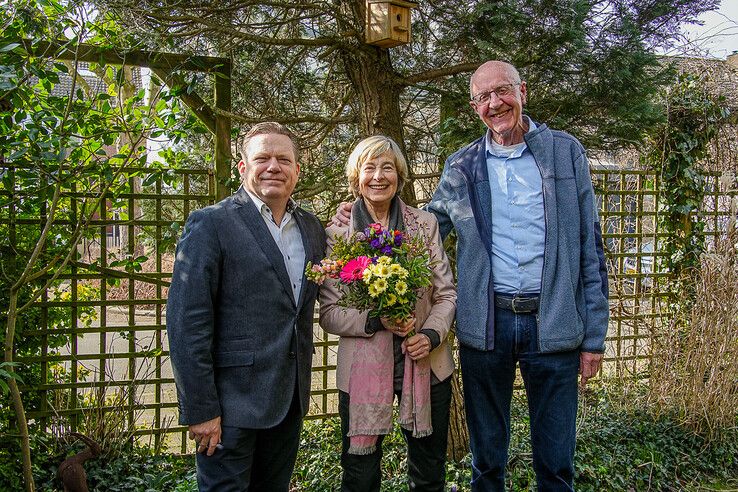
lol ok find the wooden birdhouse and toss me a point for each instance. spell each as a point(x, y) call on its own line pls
point(388, 22)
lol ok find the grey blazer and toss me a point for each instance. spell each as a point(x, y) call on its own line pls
point(238, 341)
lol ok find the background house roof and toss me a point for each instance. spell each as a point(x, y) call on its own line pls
point(96, 84)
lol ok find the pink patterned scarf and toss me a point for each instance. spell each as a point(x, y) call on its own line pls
point(371, 394)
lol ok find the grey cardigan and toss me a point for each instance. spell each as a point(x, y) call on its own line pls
point(573, 304)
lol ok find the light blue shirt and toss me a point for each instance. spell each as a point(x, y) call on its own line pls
point(518, 223)
point(289, 241)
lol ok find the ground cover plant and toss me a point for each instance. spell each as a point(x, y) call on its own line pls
point(620, 446)
point(128, 469)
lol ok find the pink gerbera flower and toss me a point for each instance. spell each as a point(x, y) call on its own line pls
point(354, 269)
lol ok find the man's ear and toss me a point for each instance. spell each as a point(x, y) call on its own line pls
point(241, 167)
point(523, 92)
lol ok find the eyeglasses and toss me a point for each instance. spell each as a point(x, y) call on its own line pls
point(501, 91)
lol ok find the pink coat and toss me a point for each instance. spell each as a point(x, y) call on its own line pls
point(434, 310)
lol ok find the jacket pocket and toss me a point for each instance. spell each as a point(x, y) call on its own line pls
point(233, 359)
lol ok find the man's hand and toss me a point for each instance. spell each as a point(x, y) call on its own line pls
point(589, 365)
point(206, 435)
point(417, 346)
point(343, 214)
point(399, 329)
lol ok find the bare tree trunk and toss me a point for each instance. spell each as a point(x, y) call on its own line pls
point(458, 433)
point(15, 394)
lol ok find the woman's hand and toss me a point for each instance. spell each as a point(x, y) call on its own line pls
point(417, 346)
point(399, 328)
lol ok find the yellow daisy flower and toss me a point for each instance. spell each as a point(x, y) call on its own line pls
point(380, 285)
point(381, 270)
point(373, 290)
point(391, 299)
point(400, 287)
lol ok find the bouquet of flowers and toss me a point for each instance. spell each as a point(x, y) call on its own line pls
point(382, 271)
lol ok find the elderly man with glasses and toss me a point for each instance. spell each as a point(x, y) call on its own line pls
point(532, 282)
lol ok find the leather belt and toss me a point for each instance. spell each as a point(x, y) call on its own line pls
point(517, 304)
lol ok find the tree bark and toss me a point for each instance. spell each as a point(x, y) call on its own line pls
point(15, 394)
point(378, 89)
point(137, 144)
point(458, 433)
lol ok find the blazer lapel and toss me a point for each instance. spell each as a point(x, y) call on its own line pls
point(250, 214)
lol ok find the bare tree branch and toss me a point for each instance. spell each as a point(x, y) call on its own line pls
point(439, 72)
point(287, 120)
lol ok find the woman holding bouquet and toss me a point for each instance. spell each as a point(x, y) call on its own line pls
point(380, 357)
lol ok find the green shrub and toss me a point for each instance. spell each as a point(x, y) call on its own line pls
point(140, 471)
point(618, 448)
point(127, 470)
point(46, 453)
point(623, 447)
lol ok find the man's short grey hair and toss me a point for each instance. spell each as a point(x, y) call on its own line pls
point(368, 149)
point(266, 128)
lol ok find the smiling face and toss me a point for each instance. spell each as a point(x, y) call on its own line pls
point(378, 180)
point(271, 169)
point(501, 114)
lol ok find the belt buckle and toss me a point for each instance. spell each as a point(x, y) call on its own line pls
point(513, 303)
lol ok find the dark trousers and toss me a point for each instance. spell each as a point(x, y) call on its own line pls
point(426, 456)
point(551, 386)
point(254, 460)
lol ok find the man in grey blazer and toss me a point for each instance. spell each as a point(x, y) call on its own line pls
point(239, 321)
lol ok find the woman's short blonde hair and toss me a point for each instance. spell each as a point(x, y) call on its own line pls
point(368, 149)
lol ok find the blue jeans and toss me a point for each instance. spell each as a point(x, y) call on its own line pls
point(551, 386)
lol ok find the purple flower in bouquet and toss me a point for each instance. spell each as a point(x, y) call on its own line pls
point(373, 230)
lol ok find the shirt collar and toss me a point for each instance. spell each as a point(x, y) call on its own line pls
point(264, 208)
point(516, 150)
